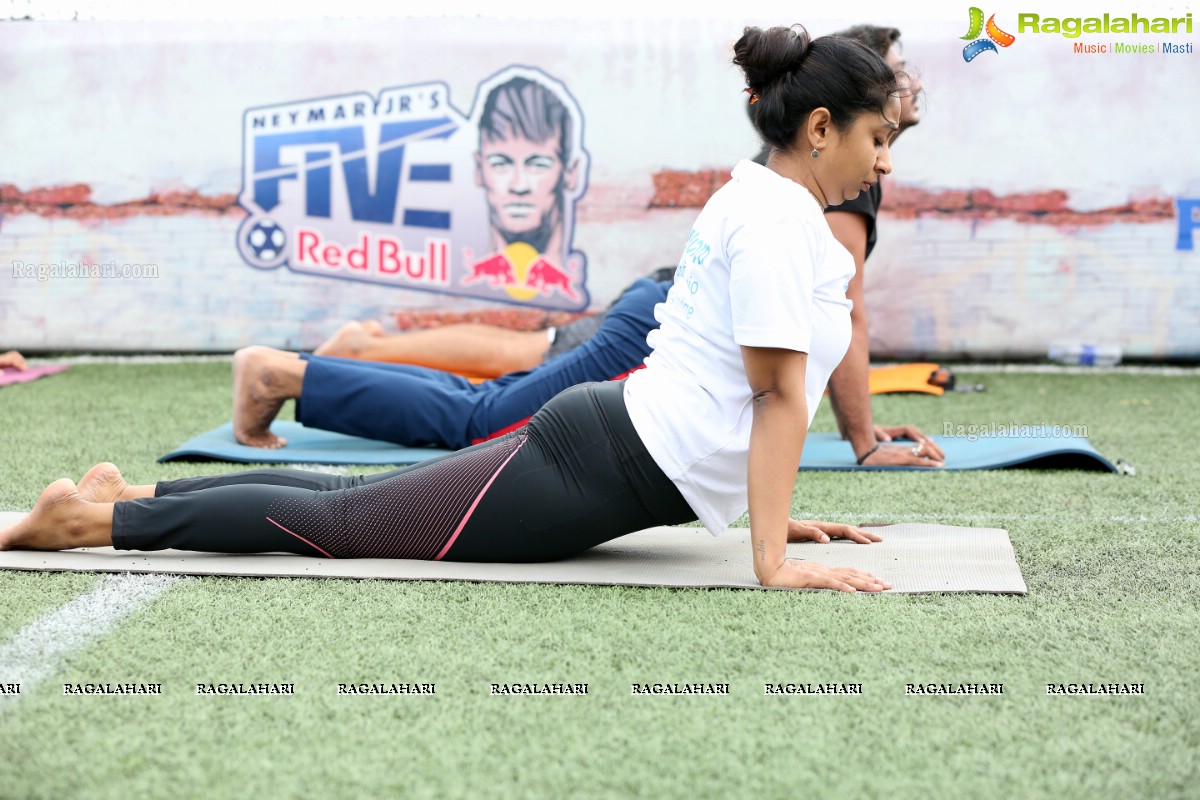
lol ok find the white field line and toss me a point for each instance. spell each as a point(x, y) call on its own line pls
point(1062, 369)
point(44, 646)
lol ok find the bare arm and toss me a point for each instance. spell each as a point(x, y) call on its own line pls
point(780, 410)
point(849, 385)
point(776, 440)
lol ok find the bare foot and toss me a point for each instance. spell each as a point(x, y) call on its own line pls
point(350, 339)
point(102, 484)
point(257, 397)
point(56, 522)
point(13, 359)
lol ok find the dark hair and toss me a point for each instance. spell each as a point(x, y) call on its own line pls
point(881, 40)
point(792, 75)
point(525, 108)
point(878, 39)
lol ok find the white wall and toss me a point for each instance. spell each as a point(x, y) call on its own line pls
point(133, 108)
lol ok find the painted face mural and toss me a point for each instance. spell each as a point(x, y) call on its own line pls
point(523, 180)
point(528, 164)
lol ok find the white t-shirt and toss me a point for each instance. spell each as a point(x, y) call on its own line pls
point(760, 269)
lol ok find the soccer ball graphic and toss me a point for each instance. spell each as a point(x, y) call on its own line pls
point(266, 240)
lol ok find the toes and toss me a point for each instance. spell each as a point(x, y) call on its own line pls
point(265, 441)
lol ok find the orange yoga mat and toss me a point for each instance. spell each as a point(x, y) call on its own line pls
point(899, 378)
point(903, 378)
point(882, 380)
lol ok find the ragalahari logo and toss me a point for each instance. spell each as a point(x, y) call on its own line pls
point(995, 36)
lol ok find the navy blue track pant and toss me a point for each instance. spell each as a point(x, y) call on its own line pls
point(414, 406)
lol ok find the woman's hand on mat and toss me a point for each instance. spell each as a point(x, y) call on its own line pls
point(929, 450)
point(805, 575)
point(808, 530)
point(12, 359)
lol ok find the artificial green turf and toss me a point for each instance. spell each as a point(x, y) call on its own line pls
point(27, 596)
point(1111, 563)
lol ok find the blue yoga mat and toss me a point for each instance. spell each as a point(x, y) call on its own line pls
point(829, 451)
point(825, 451)
point(304, 446)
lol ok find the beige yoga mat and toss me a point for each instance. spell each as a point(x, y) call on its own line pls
point(915, 558)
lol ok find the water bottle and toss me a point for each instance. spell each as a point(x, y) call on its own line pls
point(1087, 355)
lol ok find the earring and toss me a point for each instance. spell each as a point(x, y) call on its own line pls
point(814, 153)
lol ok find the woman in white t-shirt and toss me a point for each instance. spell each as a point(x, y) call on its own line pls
point(714, 425)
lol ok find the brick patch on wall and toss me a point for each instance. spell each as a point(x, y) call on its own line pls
point(521, 319)
point(672, 189)
point(75, 202)
point(681, 189)
point(684, 189)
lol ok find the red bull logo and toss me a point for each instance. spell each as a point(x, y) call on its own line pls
point(524, 274)
point(498, 270)
point(381, 257)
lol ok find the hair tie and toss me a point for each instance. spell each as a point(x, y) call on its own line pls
point(753, 96)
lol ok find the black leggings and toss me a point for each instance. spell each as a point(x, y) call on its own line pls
point(575, 476)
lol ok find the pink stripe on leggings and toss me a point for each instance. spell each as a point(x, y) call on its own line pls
point(298, 536)
point(478, 497)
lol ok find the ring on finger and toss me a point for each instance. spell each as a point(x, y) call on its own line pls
point(918, 449)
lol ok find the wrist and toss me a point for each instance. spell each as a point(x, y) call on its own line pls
point(764, 572)
point(866, 455)
point(862, 438)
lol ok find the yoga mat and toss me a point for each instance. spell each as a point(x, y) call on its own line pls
point(11, 375)
point(823, 451)
point(902, 378)
point(916, 558)
point(828, 451)
point(305, 446)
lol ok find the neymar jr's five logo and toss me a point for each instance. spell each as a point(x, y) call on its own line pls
point(404, 190)
point(995, 35)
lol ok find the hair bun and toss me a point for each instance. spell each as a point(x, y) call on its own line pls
point(767, 55)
